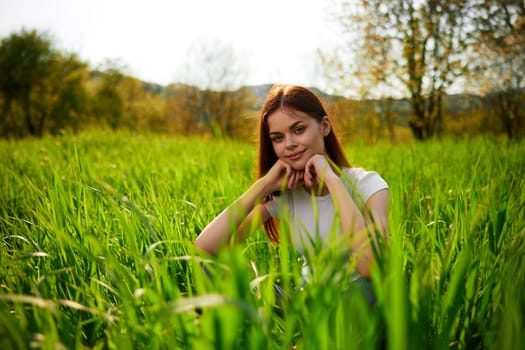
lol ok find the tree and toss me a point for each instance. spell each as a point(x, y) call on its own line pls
point(407, 46)
point(500, 61)
point(212, 96)
point(62, 100)
point(26, 61)
point(183, 106)
point(121, 101)
point(142, 110)
point(108, 104)
point(42, 88)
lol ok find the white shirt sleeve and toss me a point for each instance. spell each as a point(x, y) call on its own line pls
point(362, 184)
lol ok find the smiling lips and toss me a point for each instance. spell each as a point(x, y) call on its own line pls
point(296, 155)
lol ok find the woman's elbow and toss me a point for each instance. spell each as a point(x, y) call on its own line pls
point(204, 246)
point(363, 268)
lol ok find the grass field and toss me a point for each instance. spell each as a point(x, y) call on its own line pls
point(97, 250)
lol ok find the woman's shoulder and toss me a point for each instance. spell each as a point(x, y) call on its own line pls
point(356, 174)
point(363, 182)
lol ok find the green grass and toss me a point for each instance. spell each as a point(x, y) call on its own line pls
point(97, 250)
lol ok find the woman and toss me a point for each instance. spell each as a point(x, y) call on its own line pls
point(300, 158)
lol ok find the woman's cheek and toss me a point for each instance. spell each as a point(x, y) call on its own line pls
point(279, 151)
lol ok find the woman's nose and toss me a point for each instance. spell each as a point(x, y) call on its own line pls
point(290, 141)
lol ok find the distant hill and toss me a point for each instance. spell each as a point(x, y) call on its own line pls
point(401, 107)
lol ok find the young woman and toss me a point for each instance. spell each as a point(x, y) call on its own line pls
point(303, 172)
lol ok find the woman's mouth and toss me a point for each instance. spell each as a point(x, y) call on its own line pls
point(296, 155)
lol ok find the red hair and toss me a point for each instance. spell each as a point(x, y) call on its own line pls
point(300, 99)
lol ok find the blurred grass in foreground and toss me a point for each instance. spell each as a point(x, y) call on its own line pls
point(97, 250)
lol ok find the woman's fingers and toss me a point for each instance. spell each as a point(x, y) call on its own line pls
point(299, 178)
point(291, 180)
point(277, 177)
point(282, 175)
point(310, 174)
point(316, 169)
point(288, 169)
point(295, 179)
point(307, 177)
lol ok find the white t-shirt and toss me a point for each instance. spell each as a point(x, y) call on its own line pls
point(313, 218)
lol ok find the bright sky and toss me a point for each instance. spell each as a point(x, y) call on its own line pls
point(151, 37)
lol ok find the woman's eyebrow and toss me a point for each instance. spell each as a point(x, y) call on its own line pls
point(290, 128)
point(295, 124)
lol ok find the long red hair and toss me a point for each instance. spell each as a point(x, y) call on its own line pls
point(300, 99)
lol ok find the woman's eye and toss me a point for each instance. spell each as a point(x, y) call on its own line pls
point(277, 139)
point(299, 130)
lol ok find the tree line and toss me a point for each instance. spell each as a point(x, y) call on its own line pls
point(44, 90)
point(402, 59)
point(426, 49)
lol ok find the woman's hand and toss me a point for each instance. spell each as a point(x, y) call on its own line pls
point(282, 175)
point(316, 170)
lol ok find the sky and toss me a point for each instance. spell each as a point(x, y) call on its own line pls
point(278, 39)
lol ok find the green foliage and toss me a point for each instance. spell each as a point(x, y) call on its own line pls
point(25, 62)
point(423, 50)
point(97, 250)
point(46, 91)
point(24, 59)
point(42, 88)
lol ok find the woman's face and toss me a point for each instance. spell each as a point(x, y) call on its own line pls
point(296, 136)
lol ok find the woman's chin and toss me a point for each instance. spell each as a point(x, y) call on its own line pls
point(298, 167)
point(298, 164)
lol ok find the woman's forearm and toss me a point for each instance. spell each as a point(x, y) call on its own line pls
point(353, 225)
point(352, 220)
point(218, 232)
point(376, 220)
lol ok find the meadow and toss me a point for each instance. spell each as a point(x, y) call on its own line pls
point(97, 250)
